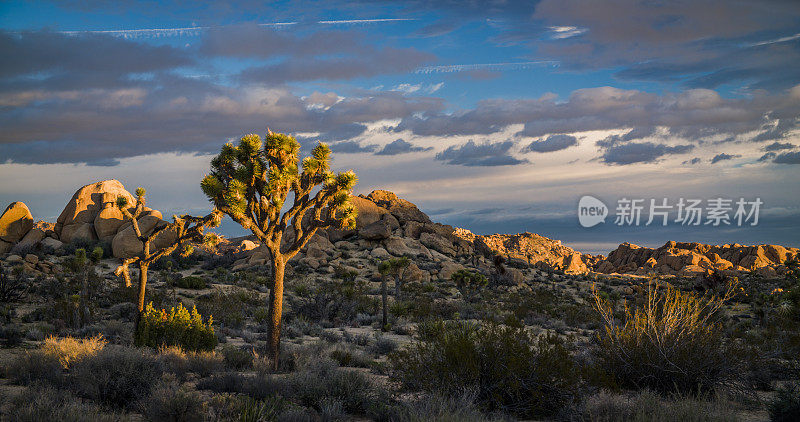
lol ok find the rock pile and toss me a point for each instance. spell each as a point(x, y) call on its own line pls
point(387, 226)
point(90, 215)
point(687, 259)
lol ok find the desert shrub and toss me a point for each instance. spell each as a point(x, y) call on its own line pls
point(315, 378)
point(116, 376)
point(669, 343)
point(177, 327)
point(785, 406)
point(647, 406)
point(68, 350)
point(230, 307)
point(171, 402)
point(335, 301)
point(12, 287)
point(383, 345)
point(191, 282)
point(237, 358)
point(432, 407)
point(347, 356)
point(43, 403)
point(180, 362)
point(35, 366)
point(509, 369)
point(11, 335)
point(228, 407)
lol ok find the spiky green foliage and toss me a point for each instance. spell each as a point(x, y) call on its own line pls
point(393, 266)
point(176, 327)
point(252, 181)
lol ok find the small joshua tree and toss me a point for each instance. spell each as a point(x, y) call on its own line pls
point(187, 229)
point(469, 283)
point(395, 267)
point(251, 183)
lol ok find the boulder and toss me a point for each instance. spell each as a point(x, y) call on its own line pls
point(78, 231)
point(126, 245)
point(380, 253)
point(401, 209)
point(573, 264)
point(448, 268)
point(397, 246)
point(30, 240)
point(49, 242)
point(84, 207)
point(15, 222)
point(246, 245)
point(378, 230)
point(108, 220)
point(31, 259)
point(437, 243)
point(14, 259)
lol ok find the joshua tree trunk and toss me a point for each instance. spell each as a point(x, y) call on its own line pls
point(397, 286)
point(276, 309)
point(85, 298)
point(142, 288)
point(384, 299)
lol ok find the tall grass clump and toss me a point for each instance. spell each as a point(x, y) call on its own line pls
point(672, 342)
point(68, 350)
point(507, 368)
point(46, 364)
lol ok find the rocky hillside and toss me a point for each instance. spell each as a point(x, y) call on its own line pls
point(388, 226)
point(689, 259)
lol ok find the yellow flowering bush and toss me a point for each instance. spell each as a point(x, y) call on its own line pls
point(176, 327)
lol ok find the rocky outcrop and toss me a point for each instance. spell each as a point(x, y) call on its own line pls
point(15, 222)
point(401, 209)
point(686, 259)
point(79, 219)
point(532, 249)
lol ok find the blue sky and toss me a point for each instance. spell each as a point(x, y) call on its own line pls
point(494, 116)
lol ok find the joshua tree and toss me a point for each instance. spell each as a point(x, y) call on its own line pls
point(85, 264)
point(251, 183)
point(395, 267)
point(469, 282)
point(187, 228)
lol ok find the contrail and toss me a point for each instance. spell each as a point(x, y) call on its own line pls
point(485, 66)
point(775, 41)
point(196, 30)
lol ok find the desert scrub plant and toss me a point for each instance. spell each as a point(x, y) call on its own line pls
point(178, 327)
point(785, 406)
point(190, 282)
point(43, 403)
point(671, 342)
point(648, 406)
point(180, 362)
point(116, 376)
point(509, 369)
point(170, 401)
point(68, 350)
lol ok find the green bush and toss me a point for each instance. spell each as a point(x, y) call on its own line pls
point(191, 282)
point(509, 369)
point(178, 327)
point(669, 343)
